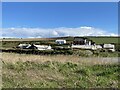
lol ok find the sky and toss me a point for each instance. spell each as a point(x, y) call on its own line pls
point(54, 19)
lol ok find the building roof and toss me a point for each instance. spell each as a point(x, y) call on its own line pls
point(60, 40)
point(24, 45)
point(41, 46)
point(79, 38)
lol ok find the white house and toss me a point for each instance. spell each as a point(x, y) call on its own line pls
point(24, 46)
point(83, 43)
point(60, 41)
point(43, 47)
point(91, 47)
point(109, 47)
point(33, 46)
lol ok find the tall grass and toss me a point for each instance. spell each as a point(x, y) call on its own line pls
point(51, 74)
point(60, 71)
point(12, 57)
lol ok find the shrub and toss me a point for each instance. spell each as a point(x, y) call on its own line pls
point(117, 47)
point(85, 53)
point(83, 72)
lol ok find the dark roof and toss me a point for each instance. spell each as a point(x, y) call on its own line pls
point(79, 38)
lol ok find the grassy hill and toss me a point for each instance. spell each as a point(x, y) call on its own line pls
point(96, 39)
point(10, 43)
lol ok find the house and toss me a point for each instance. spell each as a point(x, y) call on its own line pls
point(41, 47)
point(82, 41)
point(110, 47)
point(33, 46)
point(24, 46)
point(60, 41)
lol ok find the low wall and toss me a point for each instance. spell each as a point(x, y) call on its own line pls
point(93, 47)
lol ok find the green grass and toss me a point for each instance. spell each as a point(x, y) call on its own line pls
point(82, 53)
point(51, 74)
point(100, 40)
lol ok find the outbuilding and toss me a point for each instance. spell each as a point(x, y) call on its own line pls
point(110, 47)
point(60, 41)
point(24, 46)
point(41, 47)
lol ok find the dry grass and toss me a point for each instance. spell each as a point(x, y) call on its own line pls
point(66, 71)
point(12, 57)
point(26, 39)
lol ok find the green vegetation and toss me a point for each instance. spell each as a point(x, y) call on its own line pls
point(98, 40)
point(107, 40)
point(51, 74)
point(59, 68)
point(82, 53)
point(9, 43)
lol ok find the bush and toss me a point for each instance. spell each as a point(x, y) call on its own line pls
point(85, 53)
point(117, 47)
point(96, 52)
point(39, 52)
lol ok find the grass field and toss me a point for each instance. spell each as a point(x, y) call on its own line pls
point(60, 71)
point(101, 70)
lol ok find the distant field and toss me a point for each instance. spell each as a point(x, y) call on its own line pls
point(25, 39)
point(9, 43)
point(99, 40)
point(60, 71)
point(96, 39)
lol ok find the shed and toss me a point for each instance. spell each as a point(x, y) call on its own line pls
point(60, 41)
point(42, 47)
point(109, 47)
point(24, 46)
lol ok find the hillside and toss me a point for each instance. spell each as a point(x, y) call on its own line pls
point(10, 43)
